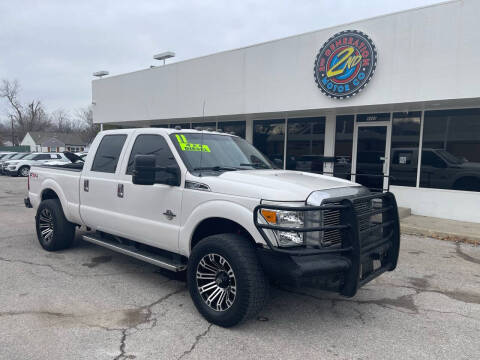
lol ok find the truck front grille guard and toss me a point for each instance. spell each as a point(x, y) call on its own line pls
point(369, 227)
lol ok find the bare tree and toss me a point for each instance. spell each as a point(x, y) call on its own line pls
point(9, 91)
point(23, 118)
point(4, 133)
point(63, 123)
point(32, 116)
point(84, 117)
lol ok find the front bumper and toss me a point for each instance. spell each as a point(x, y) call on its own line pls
point(370, 243)
point(7, 170)
point(10, 172)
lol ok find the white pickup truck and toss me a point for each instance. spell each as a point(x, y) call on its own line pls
point(211, 204)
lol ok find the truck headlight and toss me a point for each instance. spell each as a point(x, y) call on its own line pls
point(287, 219)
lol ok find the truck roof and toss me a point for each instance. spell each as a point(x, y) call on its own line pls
point(166, 131)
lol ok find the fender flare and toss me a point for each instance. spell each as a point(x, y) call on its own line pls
point(217, 209)
point(467, 174)
point(49, 184)
point(24, 165)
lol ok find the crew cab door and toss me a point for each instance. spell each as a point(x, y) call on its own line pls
point(149, 213)
point(98, 184)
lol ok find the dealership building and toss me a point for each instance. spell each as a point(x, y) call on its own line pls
point(392, 102)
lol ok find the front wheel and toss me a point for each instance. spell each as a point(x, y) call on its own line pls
point(24, 171)
point(225, 279)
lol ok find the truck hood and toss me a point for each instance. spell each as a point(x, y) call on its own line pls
point(20, 161)
point(470, 165)
point(276, 185)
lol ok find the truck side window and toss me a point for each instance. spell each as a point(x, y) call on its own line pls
point(42, 157)
point(402, 158)
point(108, 152)
point(150, 144)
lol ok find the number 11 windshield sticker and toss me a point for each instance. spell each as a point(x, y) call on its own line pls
point(345, 64)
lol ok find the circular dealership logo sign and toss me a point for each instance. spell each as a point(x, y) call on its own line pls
point(345, 64)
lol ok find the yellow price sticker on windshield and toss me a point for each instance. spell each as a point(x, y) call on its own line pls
point(188, 146)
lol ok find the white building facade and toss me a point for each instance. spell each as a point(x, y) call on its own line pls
point(412, 124)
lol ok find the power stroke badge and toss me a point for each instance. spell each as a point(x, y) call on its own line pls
point(345, 64)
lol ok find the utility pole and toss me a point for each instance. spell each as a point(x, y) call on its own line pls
point(13, 134)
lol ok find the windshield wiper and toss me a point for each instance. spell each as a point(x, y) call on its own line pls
point(215, 168)
point(256, 165)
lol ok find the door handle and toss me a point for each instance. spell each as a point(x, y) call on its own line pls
point(169, 214)
point(120, 191)
point(86, 186)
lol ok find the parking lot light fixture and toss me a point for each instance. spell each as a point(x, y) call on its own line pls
point(100, 73)
point(164, 55)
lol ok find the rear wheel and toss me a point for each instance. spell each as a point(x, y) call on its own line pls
point(54, 231)
point(24, 171)
point(225, 279)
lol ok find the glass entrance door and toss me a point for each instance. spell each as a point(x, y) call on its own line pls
point(371, 147)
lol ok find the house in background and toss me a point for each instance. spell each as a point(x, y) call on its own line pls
point(53, 142)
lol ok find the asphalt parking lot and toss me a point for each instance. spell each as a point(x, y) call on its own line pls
point(90, 303)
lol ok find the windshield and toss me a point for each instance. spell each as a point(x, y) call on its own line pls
point(449, 157)
point(19, 156)
point(30, 157)
point(9, 156)
point(215, 152)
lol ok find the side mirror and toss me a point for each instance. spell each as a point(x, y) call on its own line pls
point(145, 172)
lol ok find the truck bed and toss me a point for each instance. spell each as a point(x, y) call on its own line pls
point(64, 181)
point(67, 167)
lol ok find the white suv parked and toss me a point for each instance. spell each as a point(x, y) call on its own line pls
point(22, 167)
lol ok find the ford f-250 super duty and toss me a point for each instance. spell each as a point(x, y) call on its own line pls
point(211, 204)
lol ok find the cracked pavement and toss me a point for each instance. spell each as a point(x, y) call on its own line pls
point(90, 303)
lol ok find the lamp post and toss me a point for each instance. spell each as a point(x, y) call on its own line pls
point(100, 74)
point(13, 133)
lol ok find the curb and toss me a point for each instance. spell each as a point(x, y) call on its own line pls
point(440, 235)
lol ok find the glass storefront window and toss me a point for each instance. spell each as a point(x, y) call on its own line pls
point(236, 127)
point(269, 138)
point(183, 126)
point(450, 150)
point(343, 146)
point(404, 153)
point(305, 139)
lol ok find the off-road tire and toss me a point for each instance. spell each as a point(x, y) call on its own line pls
point(251, 282)
point(63, 230)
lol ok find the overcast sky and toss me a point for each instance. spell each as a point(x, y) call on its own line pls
point(52, 47)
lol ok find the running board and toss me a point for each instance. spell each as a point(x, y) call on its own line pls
point(155, 259)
